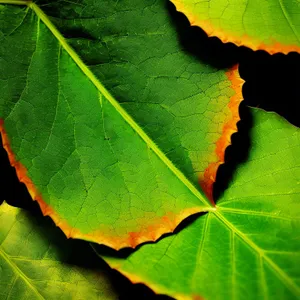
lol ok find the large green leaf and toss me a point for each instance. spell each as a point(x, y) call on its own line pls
point(271, 25)
point(249, 247)
point(92, 168)
point(37, 262)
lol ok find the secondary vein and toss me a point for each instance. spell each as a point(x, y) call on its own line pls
point(20, 273)
point(278, 271)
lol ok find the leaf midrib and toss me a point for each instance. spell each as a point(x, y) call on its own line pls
point(19, 272)
point(42, 16)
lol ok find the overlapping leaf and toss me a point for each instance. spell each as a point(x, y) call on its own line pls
point(272, 25)
point(37, 262)
point(98, 174)
point(249, 247)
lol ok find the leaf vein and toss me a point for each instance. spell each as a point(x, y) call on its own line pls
point(18, 272)
point(199, 194)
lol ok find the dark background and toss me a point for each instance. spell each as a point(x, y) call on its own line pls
point(271, 83)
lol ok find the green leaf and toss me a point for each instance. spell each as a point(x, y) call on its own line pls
point(250, 246)
point(37, 262)
point(81, 153)
point(272, 25)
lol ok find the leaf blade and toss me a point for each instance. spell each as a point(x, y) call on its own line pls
point(133, 235)
point(147, 228)
point(159, 87)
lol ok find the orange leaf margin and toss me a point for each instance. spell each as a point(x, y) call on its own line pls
point(165, 224)
point(230, 37)
point(229, 128)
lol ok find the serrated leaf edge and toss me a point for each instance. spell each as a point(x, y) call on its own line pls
point(228, 37)
point(167, 224)
point(229, 128)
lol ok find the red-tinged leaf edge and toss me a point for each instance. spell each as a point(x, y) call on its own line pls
point(229, 128)
point(165, 224)
point(229, 37)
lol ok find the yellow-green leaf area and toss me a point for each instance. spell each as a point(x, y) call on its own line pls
point(273, 25)
point(37, 262)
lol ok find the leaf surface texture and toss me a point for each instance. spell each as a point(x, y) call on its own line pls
point(250, 245)
point(81, 153)
point(37, 262)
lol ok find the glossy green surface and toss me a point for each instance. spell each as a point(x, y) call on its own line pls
point(103, 174)
point(273, 25)
point(37, 262)
point(249, 247)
